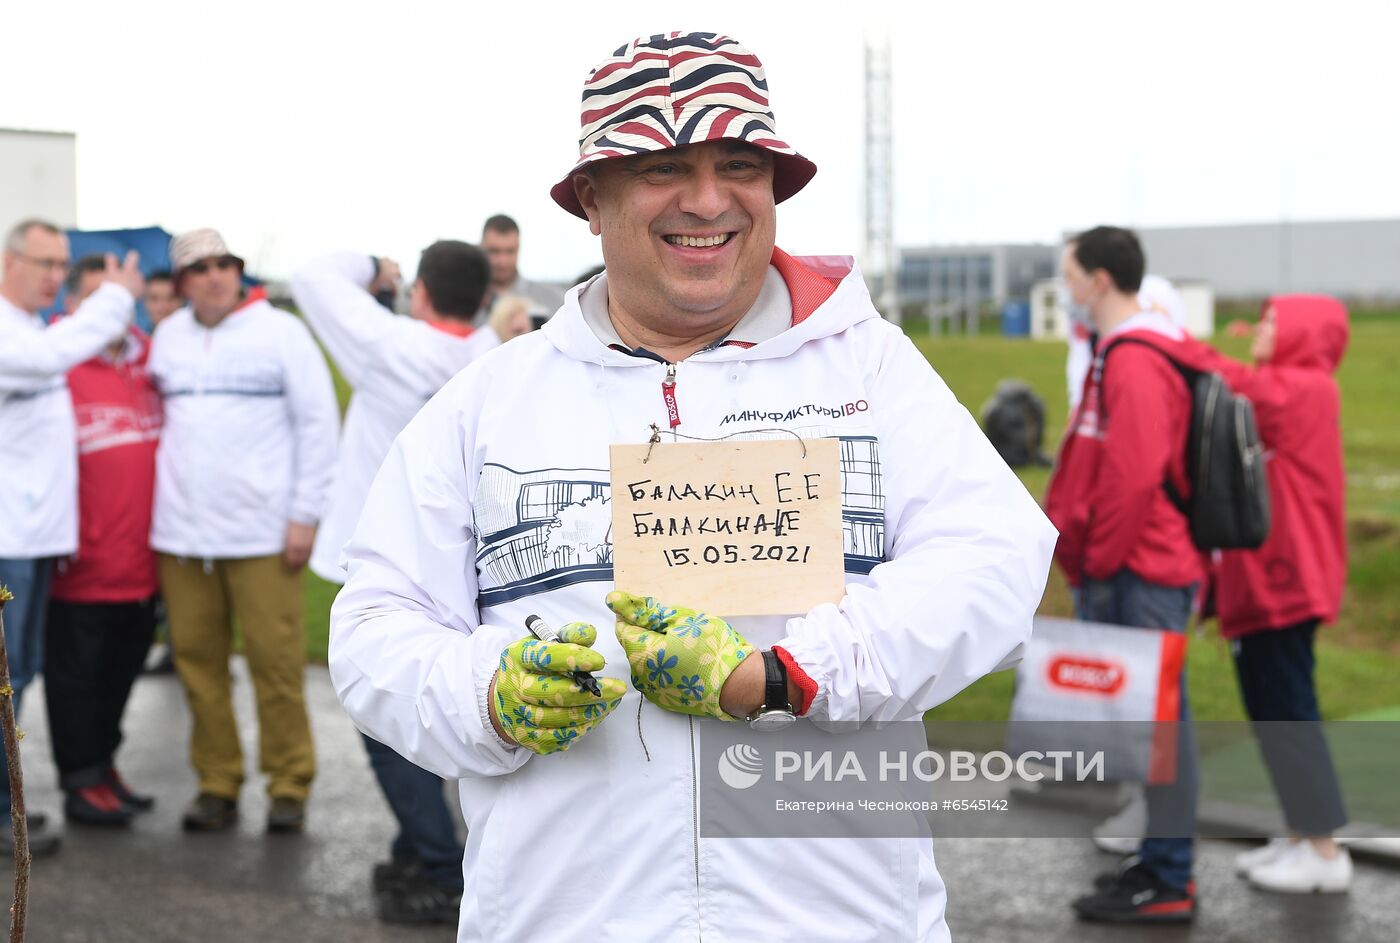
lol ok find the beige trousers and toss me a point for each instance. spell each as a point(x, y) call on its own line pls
point(202, 599)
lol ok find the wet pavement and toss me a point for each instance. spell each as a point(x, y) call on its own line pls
point(154, 883)
point(1017, 890)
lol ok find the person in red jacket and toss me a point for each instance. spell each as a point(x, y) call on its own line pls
point(1124, 546)
point(102, 599)
point(1270, 601)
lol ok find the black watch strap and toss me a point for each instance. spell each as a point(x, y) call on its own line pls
point(775, 678)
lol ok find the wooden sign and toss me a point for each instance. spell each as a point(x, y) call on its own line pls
point(729, 528)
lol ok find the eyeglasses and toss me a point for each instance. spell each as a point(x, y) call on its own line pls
point(60, 266)
point(223, 264)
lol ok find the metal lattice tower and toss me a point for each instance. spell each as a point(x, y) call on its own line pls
point(879, 256)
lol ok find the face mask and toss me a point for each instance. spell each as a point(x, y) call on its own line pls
point(1077, 313)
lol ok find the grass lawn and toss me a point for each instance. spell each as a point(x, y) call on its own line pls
point(1358, 659)
point(319, 596)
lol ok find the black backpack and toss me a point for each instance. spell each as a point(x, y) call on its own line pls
point(1229, 504)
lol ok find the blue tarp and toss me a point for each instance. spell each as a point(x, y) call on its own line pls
point(153, 243)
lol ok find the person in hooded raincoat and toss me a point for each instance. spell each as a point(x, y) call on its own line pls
point(1271, 601)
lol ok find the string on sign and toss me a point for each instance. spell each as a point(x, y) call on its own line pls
point(656, 438)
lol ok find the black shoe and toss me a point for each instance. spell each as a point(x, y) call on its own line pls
point(1136, 895)
point(132, 800)
point(96, 805)
point(286, 815)
point(209, 813)
point(393, 873)
point(418, 901)
point(42, 842)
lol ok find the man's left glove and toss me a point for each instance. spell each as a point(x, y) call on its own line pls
point(680, 658)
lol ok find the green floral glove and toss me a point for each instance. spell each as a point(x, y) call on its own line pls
point(537, 704)
point(680, 658)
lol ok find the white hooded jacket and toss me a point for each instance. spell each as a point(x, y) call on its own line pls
point(946, 560)
point(250, 432)
point(393, 364)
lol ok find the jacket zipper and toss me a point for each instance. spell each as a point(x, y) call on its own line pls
point(695, 822)
point(668, 396)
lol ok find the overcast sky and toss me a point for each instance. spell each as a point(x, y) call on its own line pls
point(298, 127)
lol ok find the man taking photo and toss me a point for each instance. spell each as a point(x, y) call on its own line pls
point(395, 365)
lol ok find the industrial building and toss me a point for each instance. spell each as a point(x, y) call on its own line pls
point(1357, 260)
point(1352, 259)
point(38, 177)
point(976, 274)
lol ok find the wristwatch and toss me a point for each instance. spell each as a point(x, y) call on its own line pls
point(776, 713)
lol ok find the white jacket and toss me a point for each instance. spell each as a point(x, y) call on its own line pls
point(250, 432)
point(393, 364)
point(946, 554)
point(38, 437)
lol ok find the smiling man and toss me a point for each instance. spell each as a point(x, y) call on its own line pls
point(493, 506)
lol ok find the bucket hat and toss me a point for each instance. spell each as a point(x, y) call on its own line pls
point(674, 89)
point(188, 248)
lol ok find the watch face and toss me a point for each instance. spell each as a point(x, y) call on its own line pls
point(768, 721)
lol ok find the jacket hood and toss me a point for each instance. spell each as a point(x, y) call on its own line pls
point(828, 296)
point(1312, 331)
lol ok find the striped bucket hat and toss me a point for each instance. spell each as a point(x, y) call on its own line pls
point(675, 89)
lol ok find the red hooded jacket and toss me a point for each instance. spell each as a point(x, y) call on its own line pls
point(118, 416)
point(1125, 440)
point(1300, 570)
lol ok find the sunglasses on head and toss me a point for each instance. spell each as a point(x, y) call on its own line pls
point(223, 264)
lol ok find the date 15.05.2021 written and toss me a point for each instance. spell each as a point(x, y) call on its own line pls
point(732, 553)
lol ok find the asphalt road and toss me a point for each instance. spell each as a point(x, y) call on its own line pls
point(153, 883)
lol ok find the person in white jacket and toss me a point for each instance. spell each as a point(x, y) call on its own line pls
point(394, 365)
point(243, 472)
point(583, 826)
point(39, 442)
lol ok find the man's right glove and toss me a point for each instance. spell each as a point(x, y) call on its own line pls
point(537, 704)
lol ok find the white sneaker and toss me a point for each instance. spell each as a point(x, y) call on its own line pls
point(1249, 860)
point(1121, 833)
point(1301, 870)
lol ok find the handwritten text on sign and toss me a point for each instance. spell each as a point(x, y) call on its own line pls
point(730, 528)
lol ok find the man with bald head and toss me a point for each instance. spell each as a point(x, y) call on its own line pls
point(38, 441)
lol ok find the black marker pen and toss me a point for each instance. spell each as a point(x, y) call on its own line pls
point(541, 630)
